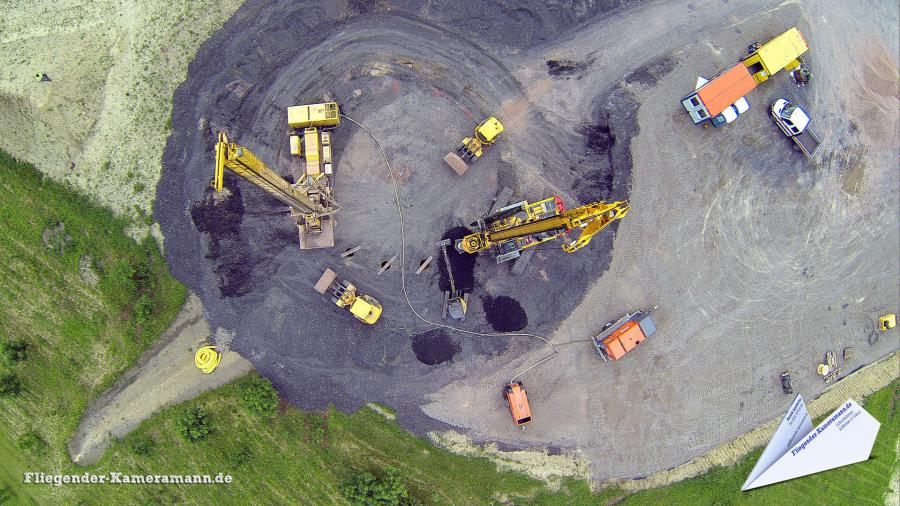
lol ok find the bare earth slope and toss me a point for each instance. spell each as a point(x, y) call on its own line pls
point(165, 375)
point(101, 121)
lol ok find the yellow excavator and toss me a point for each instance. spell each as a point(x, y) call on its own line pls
point(524, 225)
point(310, 201)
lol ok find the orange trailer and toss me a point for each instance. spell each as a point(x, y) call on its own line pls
point(620, 337)
point(516, 397)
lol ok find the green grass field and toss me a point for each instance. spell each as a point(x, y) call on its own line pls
point(80, 337)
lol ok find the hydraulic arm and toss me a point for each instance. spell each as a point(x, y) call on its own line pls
point(310, 205)
point(495, 231)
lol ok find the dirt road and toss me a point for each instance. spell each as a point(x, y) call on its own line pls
point(759, 260)
point(164, 375)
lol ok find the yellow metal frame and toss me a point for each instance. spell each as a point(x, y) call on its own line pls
point(314, 115)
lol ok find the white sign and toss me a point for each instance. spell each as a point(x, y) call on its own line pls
point(796, 449)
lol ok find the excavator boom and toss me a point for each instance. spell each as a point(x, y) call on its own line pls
point(244, 163)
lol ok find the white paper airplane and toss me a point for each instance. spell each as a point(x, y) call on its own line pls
point(845, 437)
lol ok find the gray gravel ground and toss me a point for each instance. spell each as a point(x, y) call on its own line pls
point(759, 260)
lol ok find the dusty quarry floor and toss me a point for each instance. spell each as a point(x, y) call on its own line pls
point(759, 260)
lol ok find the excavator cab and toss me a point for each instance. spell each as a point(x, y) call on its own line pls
point(515, 396)
point(366, 309)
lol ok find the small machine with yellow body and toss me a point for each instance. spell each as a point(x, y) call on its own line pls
point(887, 322)
point(524, 225)
point(343, 294)
point(486, 133)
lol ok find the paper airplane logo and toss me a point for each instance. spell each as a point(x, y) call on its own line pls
point(796, 449)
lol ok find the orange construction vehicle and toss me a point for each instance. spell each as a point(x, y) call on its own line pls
point(620, 337)
point(515, 396)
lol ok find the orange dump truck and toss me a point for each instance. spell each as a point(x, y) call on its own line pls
point(620, 337)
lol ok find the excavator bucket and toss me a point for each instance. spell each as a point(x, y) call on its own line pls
point(322, 238)
point(456, 163)
point(325, 281)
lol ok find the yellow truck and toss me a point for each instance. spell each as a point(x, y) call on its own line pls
point(782, 52)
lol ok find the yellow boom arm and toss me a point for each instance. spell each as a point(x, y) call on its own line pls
point(242, 162)
point(591, 218)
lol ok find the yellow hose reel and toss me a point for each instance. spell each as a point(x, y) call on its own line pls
point(207, 359)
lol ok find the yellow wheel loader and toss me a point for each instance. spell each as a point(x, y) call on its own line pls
point(486, 133)
point(343, 294)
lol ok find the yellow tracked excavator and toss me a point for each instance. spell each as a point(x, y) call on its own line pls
point(524, 225)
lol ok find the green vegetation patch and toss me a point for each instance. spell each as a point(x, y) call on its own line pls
point(79, 302)
point(300, 457)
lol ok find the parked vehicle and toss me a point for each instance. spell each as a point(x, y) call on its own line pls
point(794, 122)
point(712, 97)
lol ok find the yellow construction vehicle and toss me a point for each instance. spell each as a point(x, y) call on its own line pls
point(309, 199)
point(471, 149)
point(309, 123)
point(519, 226)
point(887, 322)
point(343, 294)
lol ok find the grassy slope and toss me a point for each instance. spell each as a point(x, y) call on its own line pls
point(297, 459)
point(80, 337)
point(292, 460)
point(863, 483)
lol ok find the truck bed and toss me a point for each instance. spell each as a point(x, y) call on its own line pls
point(808, 142)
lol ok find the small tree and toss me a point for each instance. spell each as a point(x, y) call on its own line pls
point(365, 489)
point(32, 442)
point(259, 397)
point(10, 385)
point(140, 445)
point(14, 351)
point(193, 424)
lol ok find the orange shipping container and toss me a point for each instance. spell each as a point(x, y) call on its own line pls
point(624, 340)
point(726, 89)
